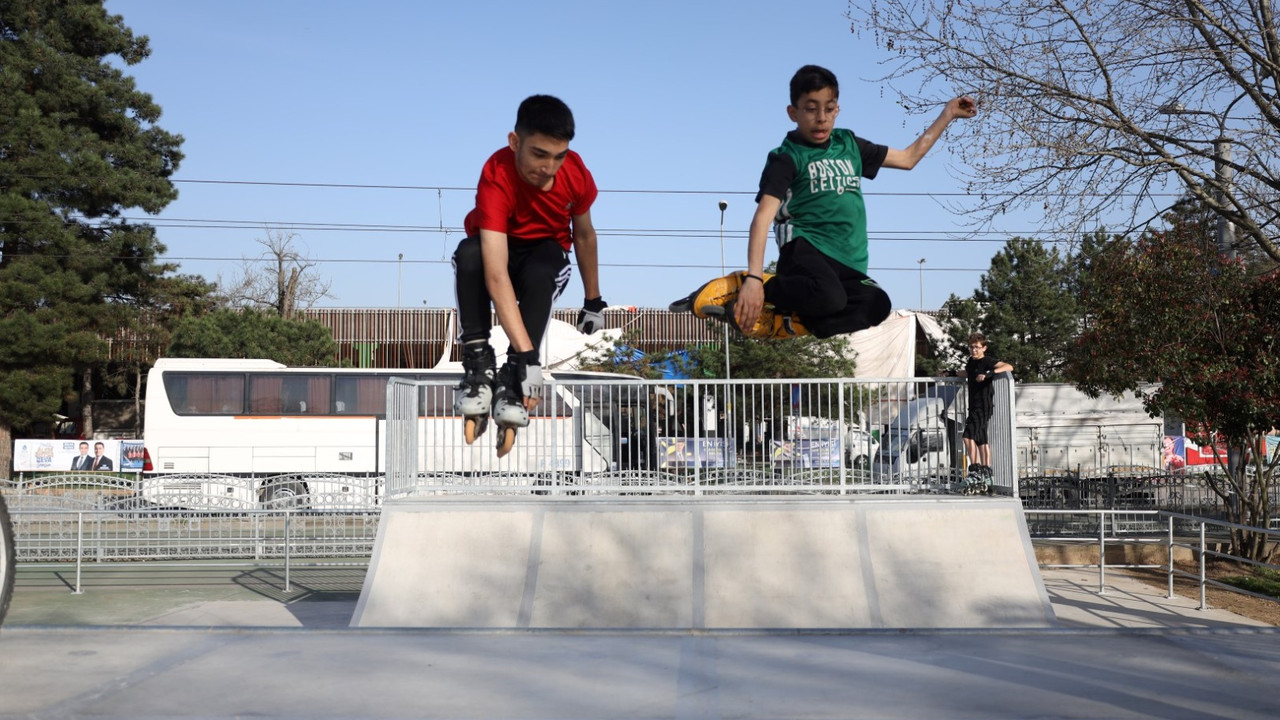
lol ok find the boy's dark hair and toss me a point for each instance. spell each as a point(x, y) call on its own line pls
point(546, 115)
point(810, 78)
point(977, 338)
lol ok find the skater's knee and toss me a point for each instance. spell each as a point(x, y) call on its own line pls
point(879, 308)
point(468, 258)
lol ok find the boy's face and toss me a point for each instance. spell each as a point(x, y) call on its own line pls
point(815, 114)
point(977, 350)
point(538, 157)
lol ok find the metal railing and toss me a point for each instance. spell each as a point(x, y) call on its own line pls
point(255, 538)
point(1199, 536)
point(283, 537)
point(692, 437)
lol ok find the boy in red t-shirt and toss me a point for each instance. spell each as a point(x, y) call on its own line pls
point(533, 203)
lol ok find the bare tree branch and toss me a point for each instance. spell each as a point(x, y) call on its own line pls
point(278, 279)
point(1099, 109)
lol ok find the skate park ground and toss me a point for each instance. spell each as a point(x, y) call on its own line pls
point(221, 643)
point(218, 641)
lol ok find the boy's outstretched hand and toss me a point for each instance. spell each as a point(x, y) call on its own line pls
point(963, 107)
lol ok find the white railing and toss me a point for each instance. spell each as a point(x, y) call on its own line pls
point(694, 437)
point(293, 538)
point(1172, 531)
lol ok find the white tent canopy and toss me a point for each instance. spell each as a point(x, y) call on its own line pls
point(888, 350)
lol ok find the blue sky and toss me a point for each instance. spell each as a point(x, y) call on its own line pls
point(361, 128)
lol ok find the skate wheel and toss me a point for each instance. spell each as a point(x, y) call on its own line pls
point(473, 428)
point(506, 440)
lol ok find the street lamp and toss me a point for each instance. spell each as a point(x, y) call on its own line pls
point(723, 206)
point(1223, 173)
point(921, 263)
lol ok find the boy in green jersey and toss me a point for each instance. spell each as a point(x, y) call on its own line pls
point(811, 193)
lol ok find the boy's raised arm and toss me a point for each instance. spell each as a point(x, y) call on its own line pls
point(906, 159)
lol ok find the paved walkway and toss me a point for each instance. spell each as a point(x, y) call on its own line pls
point(199, 646)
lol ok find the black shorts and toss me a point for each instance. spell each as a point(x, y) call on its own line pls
point(830, 297)
point(975, 425)
point(539, 271)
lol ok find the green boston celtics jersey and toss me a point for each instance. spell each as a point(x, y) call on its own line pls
point(824, 203)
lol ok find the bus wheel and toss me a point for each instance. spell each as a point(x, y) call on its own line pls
point(284, 494)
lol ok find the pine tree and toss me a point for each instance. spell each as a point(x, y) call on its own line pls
point(79, 145)
point(246, 333)
point(1025, 306)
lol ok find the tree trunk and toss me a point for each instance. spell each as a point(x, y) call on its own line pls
point(137, 401)
point(6, 450)
point(86, 402)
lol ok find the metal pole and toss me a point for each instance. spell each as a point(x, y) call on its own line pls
point(288, 555)
point(1102, 552)
point(1170, 557)
point(921, 263)
point(399, 275)
point(1203, 605)
point(1222, 170)
point(79, 552)
point(723, 271)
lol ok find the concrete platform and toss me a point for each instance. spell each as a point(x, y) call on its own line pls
point(212, 641)
point(184, 642)
point(224, 673)
point(703, 563)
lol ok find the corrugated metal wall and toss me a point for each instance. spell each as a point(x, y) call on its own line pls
point(417, 337)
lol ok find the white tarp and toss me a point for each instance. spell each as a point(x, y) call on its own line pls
point(889, 349)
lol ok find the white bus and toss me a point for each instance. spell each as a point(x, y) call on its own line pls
point(316, 436)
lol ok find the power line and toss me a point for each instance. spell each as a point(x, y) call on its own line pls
point(394, 261)
point(643, 191)
point(619, 191)
point(657, 233)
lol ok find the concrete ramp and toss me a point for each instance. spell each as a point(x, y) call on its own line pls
point(703, 563)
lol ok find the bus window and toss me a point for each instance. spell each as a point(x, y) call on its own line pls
point(357, 395)
point(205, 393)
point(288, 394)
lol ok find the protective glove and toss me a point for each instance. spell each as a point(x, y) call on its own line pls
point(527, 372)
point(591, 316)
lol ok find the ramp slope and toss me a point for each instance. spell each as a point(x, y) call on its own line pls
point(703, 563)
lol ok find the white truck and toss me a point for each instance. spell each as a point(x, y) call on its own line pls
point(1056, 428)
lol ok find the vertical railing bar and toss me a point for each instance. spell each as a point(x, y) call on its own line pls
point(79, 552)
point(1203, 548)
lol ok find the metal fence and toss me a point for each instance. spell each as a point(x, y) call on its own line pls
point(1204, 539)
point(293, 538)
point(693, 437)
point(1127, 489)
point(107, 536)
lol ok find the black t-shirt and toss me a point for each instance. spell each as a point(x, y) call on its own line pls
point(981, 394)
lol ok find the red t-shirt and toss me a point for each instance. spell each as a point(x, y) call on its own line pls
point(507, 204)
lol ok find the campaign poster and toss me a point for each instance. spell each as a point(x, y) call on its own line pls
point(677, 453)
point(40, 455)
point(1175, 453)
point(131, 455)
point(1205, 454)
point(806, 453)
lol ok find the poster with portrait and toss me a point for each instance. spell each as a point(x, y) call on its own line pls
point(42, 455)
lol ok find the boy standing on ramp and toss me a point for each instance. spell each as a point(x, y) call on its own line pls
point(533, 203)
point(811, 193)
point(979, 371)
